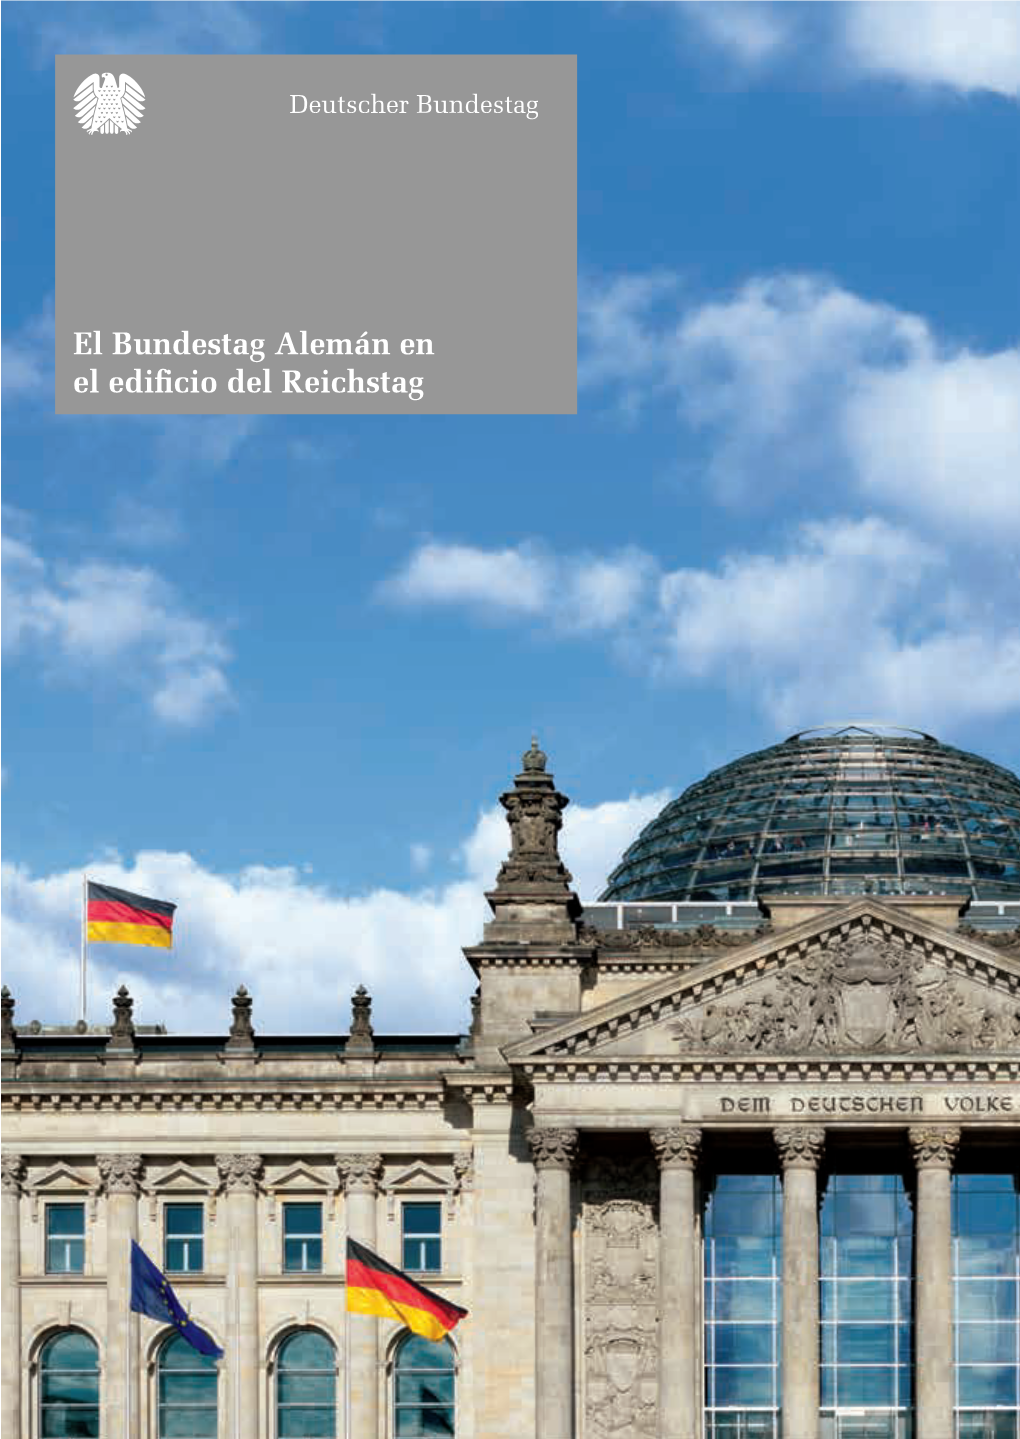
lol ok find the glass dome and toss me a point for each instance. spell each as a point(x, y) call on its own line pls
point(858, 809)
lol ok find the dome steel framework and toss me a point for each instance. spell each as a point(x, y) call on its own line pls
point(842, 810)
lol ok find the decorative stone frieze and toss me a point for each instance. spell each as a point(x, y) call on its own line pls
point(676, 1147)
point(858, 992)
point(619, 1302)
point(360, 1173)
point(553, 1148)
point(648, 936)
point(934, 1145)
point(800, 1145)
point(12, 1172)
point(463, 1171)
point(239, 1172)
point(242, 1034)
point(120, 1173)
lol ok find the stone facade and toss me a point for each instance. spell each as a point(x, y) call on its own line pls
point(564, 1138)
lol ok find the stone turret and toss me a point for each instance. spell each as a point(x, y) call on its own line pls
point(530, 961)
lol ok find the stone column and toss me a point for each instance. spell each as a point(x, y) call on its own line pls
point(11, 1175)
point(553, 1152)
point(680, 1382)
point(120, 1175)
point(360, 1174)
point(239, 1178)
point(934, 1147)
point(800, 1148)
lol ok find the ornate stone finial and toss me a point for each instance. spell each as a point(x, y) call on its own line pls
point(122, 1035)
point(360, 1173)
point(120, 1173)
point(534, 810)
point(800, 1145)
point(677, 1147)
point(242, 1035)
point(239, 1172)
point(9, 1034)
point(534, 760)
point(360, 1041)
point(934, 1145)
point(12, 1172)
point(553, 1148)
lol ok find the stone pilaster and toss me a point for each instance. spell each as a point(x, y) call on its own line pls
point(239, 1176)
point(934, 1148)
point(680, 1382)
point(360, 1174)
point(12, 1173)
point(120, 1176)
point(800, 1149)
point(553, 1152)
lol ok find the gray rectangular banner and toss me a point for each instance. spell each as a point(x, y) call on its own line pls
point(316, 234)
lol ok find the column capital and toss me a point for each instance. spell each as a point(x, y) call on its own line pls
point(934, 1145)
point(12, 1172)
point(239, 1173)
point(360, 1173)
point(677, 1147)
point(120, 1173)
point(800, 1145)
point(553, 1148)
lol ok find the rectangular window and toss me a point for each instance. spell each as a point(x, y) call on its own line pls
point(866, 1276)
point(65, 1238)
point(742, 1306)
point(302, 1238)
point(986, 1272)
point(182, 1239)
point(422, 1246)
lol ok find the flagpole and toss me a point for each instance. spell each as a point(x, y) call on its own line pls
point(84, 944)
point(347, 1362)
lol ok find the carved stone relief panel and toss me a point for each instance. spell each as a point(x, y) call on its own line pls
point(620, 1299)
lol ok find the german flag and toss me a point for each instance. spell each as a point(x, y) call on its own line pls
point(124, 918)
point(375, 1287)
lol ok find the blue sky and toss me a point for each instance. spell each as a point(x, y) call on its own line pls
point(279, 670)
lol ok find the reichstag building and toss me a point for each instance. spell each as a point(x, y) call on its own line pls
point(728, 1153)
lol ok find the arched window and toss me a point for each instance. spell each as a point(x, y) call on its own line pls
point(69, 1386)
point(306, 1387)
point(423, 1400)
point(187, 1392)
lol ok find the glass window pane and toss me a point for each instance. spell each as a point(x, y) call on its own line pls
point(866, 1386)
point(987, 1384)
point(986, 1254)
point(419, 1353)
point(306, 1423)
point(187, 1423)
point(985, 1299)
point(308, 1349)
point(183, 1219)
point(61, 1423)
point(865, 1299)
point(65, 1219)
point(302, 1218)
point(72, 1350)
point(742, 1343)
point(743, 1386)
point(306, 1387)
point(422, 1219)
point(866, 1343)
point(743, 1299)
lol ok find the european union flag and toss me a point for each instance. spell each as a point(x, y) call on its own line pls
point(151, 1294)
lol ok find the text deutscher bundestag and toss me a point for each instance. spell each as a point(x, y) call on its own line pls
point(254, 351)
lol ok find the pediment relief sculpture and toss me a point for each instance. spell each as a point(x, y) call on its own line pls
point(857, 993)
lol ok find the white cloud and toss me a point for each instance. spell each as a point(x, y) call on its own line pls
point(126, 624)
point(751, 33)
point(421, 857)
point(299, 947)
point(581, 592)
point(795, 378)
point(859, 614)
point(185, 26)
point(28, 357)
point(956, 43)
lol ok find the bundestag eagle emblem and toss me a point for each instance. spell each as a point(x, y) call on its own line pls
point(108, 106)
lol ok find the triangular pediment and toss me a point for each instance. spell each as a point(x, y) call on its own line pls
point(62, 1178)
point(863, 979)
point(300, 1176)
point(419, 1176)
point(178, 1176)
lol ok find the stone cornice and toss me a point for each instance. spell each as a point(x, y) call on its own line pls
point(129, 1096)
point(924, 1068)
point(524, 956)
